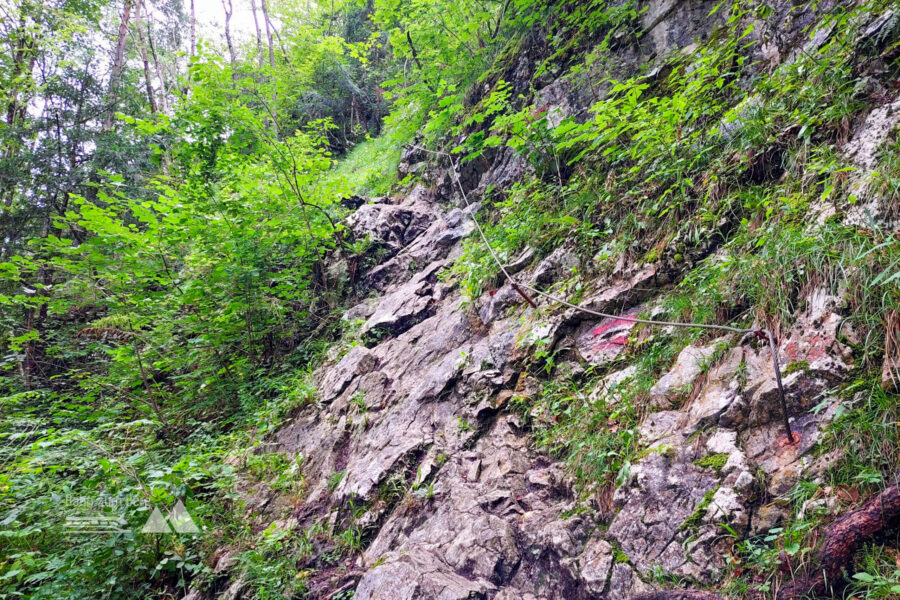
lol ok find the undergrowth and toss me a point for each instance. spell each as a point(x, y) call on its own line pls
point(370, 168)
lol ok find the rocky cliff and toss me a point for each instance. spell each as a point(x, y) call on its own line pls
point(420, 442)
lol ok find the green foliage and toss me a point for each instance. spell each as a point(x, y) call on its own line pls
point(334, 480)
point(878, 575)
point(269, 566)
point(370, 168)
point(693, 521)
point(443, 49)
point(593, 430)
point(676, 157)
point(350, 540)
point(796, 367)
point(866, 429)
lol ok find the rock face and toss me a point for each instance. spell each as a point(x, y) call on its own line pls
point(674, 384)
point(414, 433)
point(413, 440)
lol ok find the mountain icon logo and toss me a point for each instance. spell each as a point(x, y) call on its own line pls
point(179, 520)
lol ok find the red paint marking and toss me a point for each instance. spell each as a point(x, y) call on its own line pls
point(601, 328)
point(809, 349)
point(614, 342)
point(784, 442)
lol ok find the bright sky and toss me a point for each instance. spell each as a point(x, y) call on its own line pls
point(211, 19)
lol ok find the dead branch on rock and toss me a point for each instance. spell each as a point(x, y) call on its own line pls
point(842, 539)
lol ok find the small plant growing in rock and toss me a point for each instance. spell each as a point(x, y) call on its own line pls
point(796, 366)
point(693, 521)
point(425, 492)
point(359, 400)
point(712, 461)
point(393, 489)
point(350, 540)
point(741, 375)
point(334, 480)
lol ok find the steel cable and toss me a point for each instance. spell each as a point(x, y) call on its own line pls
point(762, 333)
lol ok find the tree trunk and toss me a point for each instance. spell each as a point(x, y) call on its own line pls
point(35, 318)
point(842, 539)
point(229, 9)
point(274, 98)
point(193, 31)
point(163, 85)
point(265, 9)
point(148, 389)
point(118, 64)
point(142, 44)
point(24, 56)
point(259, 47)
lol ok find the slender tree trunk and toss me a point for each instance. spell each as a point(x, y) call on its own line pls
point(259, 47)
point(265, 10)
point(843, 539)
point(500, 18)
point(118, 64)
point(142, 44)
point(28, 364)
point(274, 97)
point(163, 85)
point(193, 31)
point(330, 19)
point(229, 9)
point(415, 56)
point(163, 93)
point(151, 398)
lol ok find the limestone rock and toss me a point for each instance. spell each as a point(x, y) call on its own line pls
point(688, 366)
point(649, 528)
point(392, 226)
point(558, 265)
point(721, 390)
point(408, 305)
point(596, 565)
point(611, 387)
point(768, 517)
point(498, 303)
